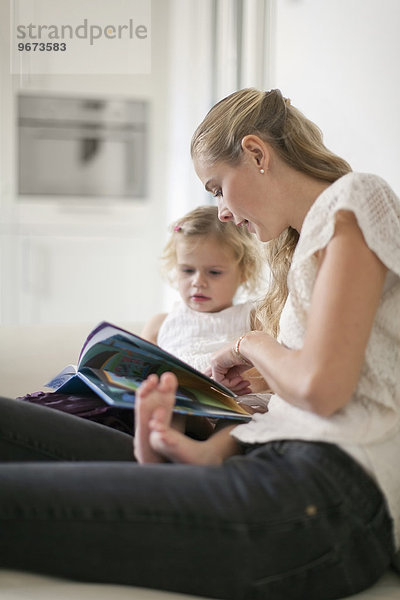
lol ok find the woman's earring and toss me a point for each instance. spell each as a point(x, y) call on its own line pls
point(262, 171)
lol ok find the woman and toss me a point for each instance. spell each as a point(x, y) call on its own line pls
point(305, 500)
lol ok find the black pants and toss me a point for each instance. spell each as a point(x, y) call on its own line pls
point(286, 520)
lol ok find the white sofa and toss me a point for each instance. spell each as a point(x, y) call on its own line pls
point(29, 357)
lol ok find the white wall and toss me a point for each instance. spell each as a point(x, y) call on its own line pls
point(83, 260)
point(338, 60)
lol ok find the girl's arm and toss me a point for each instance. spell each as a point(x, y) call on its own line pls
point(152, 327)
point(322, 375)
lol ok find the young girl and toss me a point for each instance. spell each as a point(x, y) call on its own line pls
point(208, 261)
point(307, 504)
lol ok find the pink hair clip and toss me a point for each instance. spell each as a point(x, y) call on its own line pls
point(177, 228)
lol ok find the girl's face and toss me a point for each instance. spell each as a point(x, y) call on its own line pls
point(208, 274)
point(245, 196)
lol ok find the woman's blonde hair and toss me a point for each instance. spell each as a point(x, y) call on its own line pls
point(298, 142)
point(203, 221)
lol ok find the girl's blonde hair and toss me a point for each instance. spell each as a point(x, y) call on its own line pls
point(298, 142)
point(203, 221)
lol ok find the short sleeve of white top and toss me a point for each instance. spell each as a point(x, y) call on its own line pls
point(193, 336)
point(368, 427)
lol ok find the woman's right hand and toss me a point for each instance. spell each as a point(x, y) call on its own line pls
point(227, 367)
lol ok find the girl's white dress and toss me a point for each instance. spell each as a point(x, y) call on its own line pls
point(194, 336)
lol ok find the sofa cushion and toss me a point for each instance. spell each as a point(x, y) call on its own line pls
point(23, 586)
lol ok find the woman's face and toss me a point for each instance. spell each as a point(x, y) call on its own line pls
point(244, 196)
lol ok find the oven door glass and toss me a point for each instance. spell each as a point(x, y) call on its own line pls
point(80, 147)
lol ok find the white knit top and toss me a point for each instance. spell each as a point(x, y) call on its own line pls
point(193, 336)
point(368, 427)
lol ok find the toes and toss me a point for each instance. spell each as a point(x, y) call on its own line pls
point(147, 386)
point(168, 383)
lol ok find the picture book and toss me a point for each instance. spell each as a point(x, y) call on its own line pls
point(113, 362)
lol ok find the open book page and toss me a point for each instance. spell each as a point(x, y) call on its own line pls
point(113, 363)
point(62, 377)
point(122, 394)
point(255, 403)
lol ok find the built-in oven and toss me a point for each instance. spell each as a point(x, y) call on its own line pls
point(71, 146)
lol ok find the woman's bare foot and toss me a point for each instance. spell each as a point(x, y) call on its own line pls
point(156, 440)
point(155, 398)
point(177, 447)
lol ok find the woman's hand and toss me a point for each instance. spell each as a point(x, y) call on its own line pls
point(227, 367)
